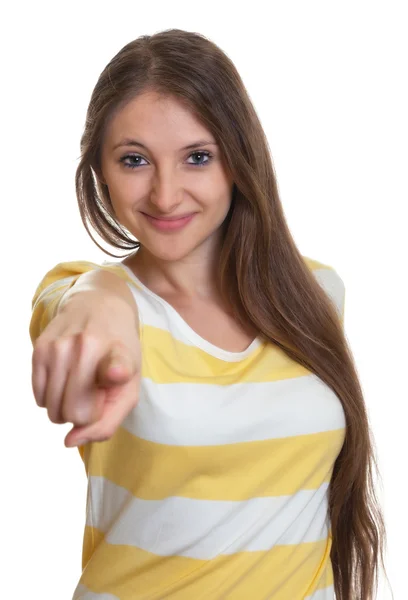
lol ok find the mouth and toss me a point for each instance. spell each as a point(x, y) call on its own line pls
point(169, 223)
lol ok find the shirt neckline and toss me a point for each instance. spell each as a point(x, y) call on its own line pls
point(192, 335)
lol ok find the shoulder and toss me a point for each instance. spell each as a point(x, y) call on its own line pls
point(74, 268)
point(68, 269)
point(330, 280)
point(63, 273)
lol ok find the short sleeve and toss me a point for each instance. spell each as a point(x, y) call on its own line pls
point(50, 290)
point(331, 282)
point(334, 286)
point(53, 286)
point(337, 292)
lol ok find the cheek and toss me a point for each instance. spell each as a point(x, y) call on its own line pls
point(124, 197)
point(223, 203)
point(123, 189)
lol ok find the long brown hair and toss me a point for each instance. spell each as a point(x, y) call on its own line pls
point(262, 273)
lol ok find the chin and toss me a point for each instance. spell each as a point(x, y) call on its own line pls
point(169, 250)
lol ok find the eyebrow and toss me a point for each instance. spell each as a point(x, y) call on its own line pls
point(130, 142)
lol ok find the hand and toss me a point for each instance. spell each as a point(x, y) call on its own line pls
point(86, 367)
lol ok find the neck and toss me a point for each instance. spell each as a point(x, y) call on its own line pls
point(192, 277)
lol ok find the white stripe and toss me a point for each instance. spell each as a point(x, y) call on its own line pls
point(333, 285)
point(186, 414)
point(53, 287)
point(204, 529)
point(326, 593)
point(83, 593)
point(155, 314)
point(152, 311)
point(162, 315)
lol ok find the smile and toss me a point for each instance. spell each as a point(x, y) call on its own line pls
point(169, 224)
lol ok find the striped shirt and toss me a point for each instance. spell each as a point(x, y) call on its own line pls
point(216, 484)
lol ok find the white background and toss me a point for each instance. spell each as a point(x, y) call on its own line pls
point(329, 82)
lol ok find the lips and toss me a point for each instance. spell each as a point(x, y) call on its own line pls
point(169, 224)
point(177, 218)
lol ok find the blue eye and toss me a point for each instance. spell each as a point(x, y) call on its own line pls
point(202, 153)
point(131, 165)
point(137, 157)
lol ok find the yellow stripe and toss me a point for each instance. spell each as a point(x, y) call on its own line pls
point(167, 360)
point(45, 309)
point(92, 538)
point(225, 472)
point(324, 574)
point(315, 264)
point(61, 271)
point(133, 574)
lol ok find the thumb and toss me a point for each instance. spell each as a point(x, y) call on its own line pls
point(116, 367)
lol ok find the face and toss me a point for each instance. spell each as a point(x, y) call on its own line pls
point(150, 173)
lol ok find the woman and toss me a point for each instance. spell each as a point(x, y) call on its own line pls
point(228, 453)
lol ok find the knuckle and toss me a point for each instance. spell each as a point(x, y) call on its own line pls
point(86, 338)
point(87, 342)
point(40, 350)
point(61, 344)
point(76, 415)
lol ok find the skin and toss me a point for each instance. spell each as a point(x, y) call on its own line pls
point(168, 182)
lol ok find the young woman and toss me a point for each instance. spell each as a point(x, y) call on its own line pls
point(214, 397)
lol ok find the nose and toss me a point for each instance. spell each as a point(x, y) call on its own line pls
point(165, 194)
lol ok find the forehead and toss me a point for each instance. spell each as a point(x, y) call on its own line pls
point(151, 115)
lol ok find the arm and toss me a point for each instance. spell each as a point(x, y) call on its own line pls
point(81, 313)
point(70, 281)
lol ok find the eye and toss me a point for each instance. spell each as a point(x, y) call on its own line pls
point(132, 165)
point(202, 153)
point(131, 156)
